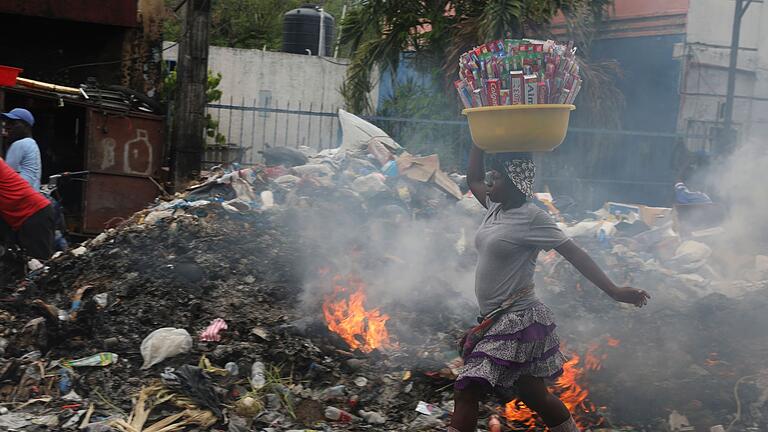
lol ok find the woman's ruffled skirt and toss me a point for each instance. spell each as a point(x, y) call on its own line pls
point(519, 343)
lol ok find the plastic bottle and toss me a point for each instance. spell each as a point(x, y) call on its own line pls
point(257, 375)
point(232, 368)
point(334, 392)
point(65, 381)
point(335, 414)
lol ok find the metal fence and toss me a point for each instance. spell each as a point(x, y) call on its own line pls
point(593, 165)
point(250, 128)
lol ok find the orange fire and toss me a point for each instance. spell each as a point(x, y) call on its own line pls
point(567, 388)
point(346, 316)
point(592, 360)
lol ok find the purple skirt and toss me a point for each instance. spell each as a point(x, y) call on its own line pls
point(518, 343)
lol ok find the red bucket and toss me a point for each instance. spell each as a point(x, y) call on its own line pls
point(8, 75)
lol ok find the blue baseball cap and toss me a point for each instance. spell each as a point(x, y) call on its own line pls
point(20, 114)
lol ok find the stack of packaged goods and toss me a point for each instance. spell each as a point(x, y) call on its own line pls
point(518, 72)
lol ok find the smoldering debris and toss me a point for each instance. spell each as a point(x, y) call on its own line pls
point(317, 300)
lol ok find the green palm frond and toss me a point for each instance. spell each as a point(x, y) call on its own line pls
point(438, 31)
point(500, 18)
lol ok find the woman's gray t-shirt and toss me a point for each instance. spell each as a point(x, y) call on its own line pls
point(508, 243)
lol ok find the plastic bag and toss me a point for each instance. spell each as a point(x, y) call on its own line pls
point(357, 134)
point(163, 343)
point(192, 381)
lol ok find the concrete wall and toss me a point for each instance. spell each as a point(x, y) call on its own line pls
point(707, 54)
point(276, 80)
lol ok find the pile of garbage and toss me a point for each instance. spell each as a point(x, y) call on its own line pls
point(693, 359)
point(190, 316)
point(209, 310)
point(654, 246)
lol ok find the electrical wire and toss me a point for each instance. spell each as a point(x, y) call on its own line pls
point(139, 57)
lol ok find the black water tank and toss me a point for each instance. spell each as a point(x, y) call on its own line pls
point(301, 30)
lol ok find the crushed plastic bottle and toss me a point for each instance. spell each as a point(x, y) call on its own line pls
point(258, 380)
point(339, 415)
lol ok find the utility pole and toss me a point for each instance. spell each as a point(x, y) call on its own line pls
point(192, 74)
point(729, 134)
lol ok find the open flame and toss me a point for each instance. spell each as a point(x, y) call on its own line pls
point(346, 315)
point(567, 388)
point(570, 388)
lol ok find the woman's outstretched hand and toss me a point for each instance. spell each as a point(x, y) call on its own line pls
point(630, 295)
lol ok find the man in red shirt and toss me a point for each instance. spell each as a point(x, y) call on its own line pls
point(26, 216)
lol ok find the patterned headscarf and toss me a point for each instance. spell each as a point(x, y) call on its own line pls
point(521, 169)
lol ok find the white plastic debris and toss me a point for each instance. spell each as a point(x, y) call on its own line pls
point(267, 199)
point(358, 133)
point(78, 251)
point(426, 408)
point(164, 343)
point(101, 299)
point(72, 396)
point(34, 264)
point(99, 239)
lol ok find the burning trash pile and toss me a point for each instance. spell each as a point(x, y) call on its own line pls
point(694, 358)
point(327, 292)
point(246, 303)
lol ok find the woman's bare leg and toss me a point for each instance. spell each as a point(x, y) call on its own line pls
point(466, 408)
point(535, 395)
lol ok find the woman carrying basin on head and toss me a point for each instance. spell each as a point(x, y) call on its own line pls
point(515, 350)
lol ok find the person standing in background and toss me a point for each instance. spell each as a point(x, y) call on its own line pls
point(26, 216)
point(23, 155)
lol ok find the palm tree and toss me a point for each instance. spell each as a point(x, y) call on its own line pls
point(438, 31)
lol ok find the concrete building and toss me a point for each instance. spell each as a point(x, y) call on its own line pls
point(305, 91)
point(706, 52)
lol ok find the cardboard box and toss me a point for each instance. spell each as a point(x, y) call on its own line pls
point(655, 216)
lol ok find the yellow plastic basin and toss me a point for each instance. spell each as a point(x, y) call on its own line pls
point(519, 128)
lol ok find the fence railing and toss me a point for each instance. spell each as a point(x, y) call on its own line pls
point(250, 128)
